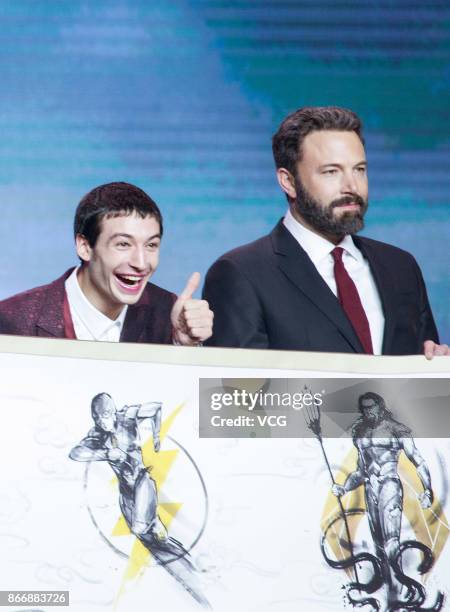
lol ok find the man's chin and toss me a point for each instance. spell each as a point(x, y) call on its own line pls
point(350, 222)
point(336, 222)
point(128, 300)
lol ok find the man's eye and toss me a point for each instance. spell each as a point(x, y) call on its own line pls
point(330, 171)
point(361, 170)
point(123, 244)
point(152, 245)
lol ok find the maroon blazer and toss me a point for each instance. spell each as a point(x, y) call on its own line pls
point(40, 312)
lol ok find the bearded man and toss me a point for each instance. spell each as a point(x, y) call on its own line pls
point(311, 285)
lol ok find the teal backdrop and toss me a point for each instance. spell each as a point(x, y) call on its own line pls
point(182, 98)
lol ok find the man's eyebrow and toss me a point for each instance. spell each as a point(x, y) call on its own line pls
point(363, 162)
point(130, 237)
point(120, 235)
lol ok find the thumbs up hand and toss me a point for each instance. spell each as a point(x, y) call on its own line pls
point(191, 319)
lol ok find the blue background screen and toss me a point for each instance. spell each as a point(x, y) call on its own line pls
point(182, 98)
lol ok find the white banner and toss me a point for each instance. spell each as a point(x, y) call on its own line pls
point(109, 492)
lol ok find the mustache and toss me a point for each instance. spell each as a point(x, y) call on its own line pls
point(348, 199)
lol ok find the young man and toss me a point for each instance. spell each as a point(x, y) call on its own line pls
point(310, 285)
point(118, 230)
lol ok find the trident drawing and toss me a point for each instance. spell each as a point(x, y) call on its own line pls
point(312, 418)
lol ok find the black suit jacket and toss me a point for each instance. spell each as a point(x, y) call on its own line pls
point(268, 294)
point(39, 312)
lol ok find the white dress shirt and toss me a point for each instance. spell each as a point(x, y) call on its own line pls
point(319, 250)
point(88, 322)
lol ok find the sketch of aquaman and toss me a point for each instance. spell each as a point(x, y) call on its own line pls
point(379, 439)
point(115, 439)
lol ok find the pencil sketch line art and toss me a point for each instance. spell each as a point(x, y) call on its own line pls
point(312, 417)
point(115, 439)
point(381, 445)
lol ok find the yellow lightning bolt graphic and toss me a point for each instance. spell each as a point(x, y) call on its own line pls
point(430, 526)
point(161, 463)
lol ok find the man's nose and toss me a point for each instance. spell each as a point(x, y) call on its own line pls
point(349, 183)
point(138, 259)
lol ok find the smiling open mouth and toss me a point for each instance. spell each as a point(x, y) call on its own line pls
point(129, 281)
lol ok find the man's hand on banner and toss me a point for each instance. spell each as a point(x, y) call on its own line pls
point(430, 349)
point(192, 319)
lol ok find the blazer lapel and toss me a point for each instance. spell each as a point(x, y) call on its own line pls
point(384, 281)
point(297, 266)
point(51, 317)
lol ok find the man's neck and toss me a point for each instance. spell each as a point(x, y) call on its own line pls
point(112, 311)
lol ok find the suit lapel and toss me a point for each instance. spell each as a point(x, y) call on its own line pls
point(384, 281)
point(51, 317)
point(297, 266)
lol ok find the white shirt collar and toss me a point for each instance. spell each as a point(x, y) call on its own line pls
point(85, 315)
point(317, 247)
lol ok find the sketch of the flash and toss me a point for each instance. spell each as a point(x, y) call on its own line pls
point(379, 440)
point(115, 439)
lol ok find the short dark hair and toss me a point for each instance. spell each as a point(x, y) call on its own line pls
point(287, 141)
point(112, 200)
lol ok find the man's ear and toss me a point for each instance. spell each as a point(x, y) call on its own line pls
point(287, 183)
point(84, 249)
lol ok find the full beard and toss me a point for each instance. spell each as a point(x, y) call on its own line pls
point(323, 220)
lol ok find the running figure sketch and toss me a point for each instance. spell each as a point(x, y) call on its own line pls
point(115, 439)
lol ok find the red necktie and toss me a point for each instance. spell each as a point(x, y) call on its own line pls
point(350, 301)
